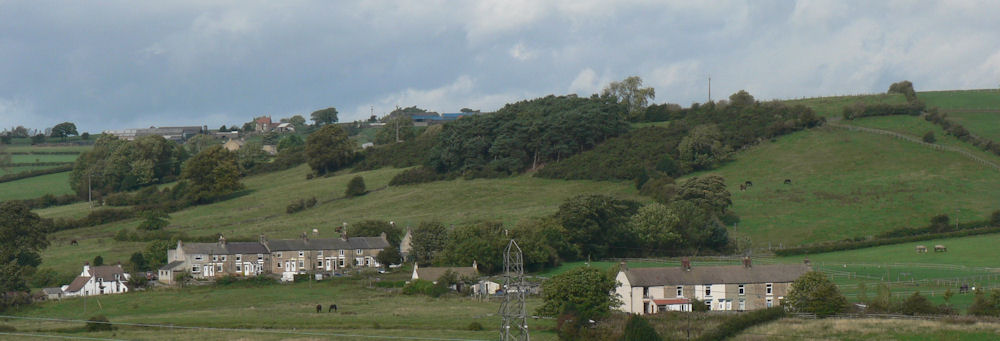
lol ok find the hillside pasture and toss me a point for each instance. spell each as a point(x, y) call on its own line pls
point(834, 106)
point(843, 183)
point(18, 169)
point(916, 127)
point(28, 188)
point(27, 148)
point(870, 329)
point(984, 99)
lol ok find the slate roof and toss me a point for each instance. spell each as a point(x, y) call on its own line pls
point(172, 265)
point(77, 284)
point(433, 273)
point(327, 244)
point(107, 272)
point(52, 291)
point(204, 249)
point(245, 248)
point(727, 274)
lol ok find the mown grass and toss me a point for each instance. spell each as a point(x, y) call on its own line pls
point(834, 106)
point(847, 184)
point(56, 184)
point(285, 307)
point(870, 329)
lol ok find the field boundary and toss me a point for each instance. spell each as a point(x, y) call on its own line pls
point(963, 152)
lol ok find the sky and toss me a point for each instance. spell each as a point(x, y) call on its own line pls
point(127, 64)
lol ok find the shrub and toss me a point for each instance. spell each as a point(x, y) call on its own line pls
point(995, 218)
point(295, 206)
point(416, 176)
point(390, 284)
point(815, 293)
point(424, 287)
point(99, 323)
point(929, 137)
point(859, 110)
point(356, 187)
point(698, 305)
point(33, 173)
point(638, 329)
point(475, 326)
point(743, 321)
point(917, 304)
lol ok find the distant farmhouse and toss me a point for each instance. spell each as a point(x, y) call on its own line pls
point(97, 280)
point(285, 257)
point(169, 133)
point(731, 287)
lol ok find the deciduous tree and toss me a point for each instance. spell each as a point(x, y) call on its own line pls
point(630, 92)
point(22, 238)
point(325, 116)
point(64, 129)
point(212, 173)
point(814, 293)
point(426, 240)
point(329, 149)
point(587, 290)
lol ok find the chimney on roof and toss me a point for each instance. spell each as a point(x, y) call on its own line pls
point(262, 239)
point(119, 264)
point(383, 236)
point(746, 262)
point(305, 237)
point(686, 264)
point(86, 266)
point(474, 265)
point(343, 232)
point(623, 266)
point(222, 240)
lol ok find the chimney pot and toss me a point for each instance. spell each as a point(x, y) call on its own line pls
point(746, 262)
point(686, 264)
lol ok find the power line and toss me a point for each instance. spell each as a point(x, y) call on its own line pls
point(151, 325)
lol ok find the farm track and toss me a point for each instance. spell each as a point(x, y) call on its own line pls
point(963, 152)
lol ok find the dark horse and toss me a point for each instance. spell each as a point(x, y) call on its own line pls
point(788, 181)
point(319, 308)
point(333, 307)
point(73, 242)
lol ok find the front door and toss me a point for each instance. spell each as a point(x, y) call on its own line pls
point(290, 266)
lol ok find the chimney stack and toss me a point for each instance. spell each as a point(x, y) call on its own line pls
point(262, 240)
point(686, 264)
point(622, 266)
point(746, 262)
point(222, 240)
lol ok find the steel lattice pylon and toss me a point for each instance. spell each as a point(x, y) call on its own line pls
point(515, 320)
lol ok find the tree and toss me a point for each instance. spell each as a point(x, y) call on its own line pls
point(297, 121)
point(324, 116)
point(483, 243)
point(630, 92)
point(741, 98)
point(98, 261)
point(389, 256)
point(248, 127)
point(662, 189)
point(329, 149)
point(985, 306)
point(814, 293)
point(917, 304)
point(587, 290)
point(638, 329)
point(596, 223)
point(154, 220)
point(37, 139)
point(708, 192)
point(905, 88)
point(290, 141)
point(200, 142)
point(426, 240)
point(85, 136)
point(20, 131)
point(138, 263)
point(211, 173)
point(655, 228)
point(702, 148)
point(22, 238)
point(356, 187)
point(223, 128)
point(929, 137)
point(6, 138)
point(64, 129)
point(114, 164)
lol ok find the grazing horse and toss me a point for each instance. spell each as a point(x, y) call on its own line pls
point(963, 289)
point(73, 243)
point(743, 187)
point(940, 248)
point(748, 184)
point(319, 308)
point(788, 181)
point(333, 307)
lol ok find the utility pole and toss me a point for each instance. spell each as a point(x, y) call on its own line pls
point(709, 88)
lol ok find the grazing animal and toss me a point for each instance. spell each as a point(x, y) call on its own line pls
point(333, 308)
point(788, 181)
point(319, 308)
point(73, 242)
point(921, 249)
point(963, 289)
point(940, 248)
point(748, 184)
point(743, 187)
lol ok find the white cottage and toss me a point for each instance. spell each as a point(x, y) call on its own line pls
point(98, 280)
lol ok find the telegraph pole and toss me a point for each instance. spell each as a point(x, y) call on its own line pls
point(709, 88)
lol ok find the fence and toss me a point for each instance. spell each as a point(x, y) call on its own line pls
point(908, 138)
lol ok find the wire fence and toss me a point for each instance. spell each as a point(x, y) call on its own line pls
point(982, 161)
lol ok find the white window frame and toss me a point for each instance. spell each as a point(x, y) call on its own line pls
point(223, 258)
point(770, 288)
point(302, 264)
point(708, 290)
point(218, 268)
point(302, 253)
point(239, 258)
point(215, 258)
point(645, 292)
point(197, 257)
point(195, 269)
point(341, 252)
point(708, 304)
point(319, 253)
point(279, 254)
point(742, 305)
point(239, 268)
point(742, 289)
point(358, 251)
point(680, 291)
point(260, 256)
point(770, 302)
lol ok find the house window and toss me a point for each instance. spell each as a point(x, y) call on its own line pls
point(680, 291)
point(215, 258)
point(302, 264)
point(218, 268)
point(770, 287)
point(197, 257)
point(645, 291)
point(260, 256)
point(742, 290)
point(319, 253)
point(358, 251)
point(195, 269)
point(239, 258)
point(223, 258)
point(100, 279)
point(368, 262)
point(279, 254)
point(770, 302)
point(708, 305)
point(320, 263)
point(708, 290)
point(341, 252)
point(302, 253)
point(279, 265)
point(341, 262)
point(239, 268)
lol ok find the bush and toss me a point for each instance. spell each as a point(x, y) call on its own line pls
point(390, 284)
point(743, 321)
point(416, 176)
point(929, 137)
point(917, 304)
point(99, 323)
point(475, 326)
point(698, 306)
point(7, 329)
point(814, 293)
point(624, 157)
point(995, 218)
point(859, 110)
point(424, 287)
point(638, 329)
point(356, 187)
point(295, 206)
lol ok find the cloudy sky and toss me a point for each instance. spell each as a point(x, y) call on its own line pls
point(120, 64)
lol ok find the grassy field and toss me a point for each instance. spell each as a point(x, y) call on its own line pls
point(57, 184)
point(288, 308)
point(33, 158)
point(844, 183)
point(871, 329)
point(262, 210)
point(917, 127)
point(18, 169)
point(962, 99)
point(834, 106)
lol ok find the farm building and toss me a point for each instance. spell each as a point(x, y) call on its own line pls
point(730, 287)
point(98, 280)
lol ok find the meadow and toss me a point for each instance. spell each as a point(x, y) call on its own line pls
point(56, 184)
point(916, 127)
point(871, 329)
point(830, 107)
point(845, 184)
point(988, 99)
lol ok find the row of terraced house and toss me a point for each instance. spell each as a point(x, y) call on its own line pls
point(284, 257)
